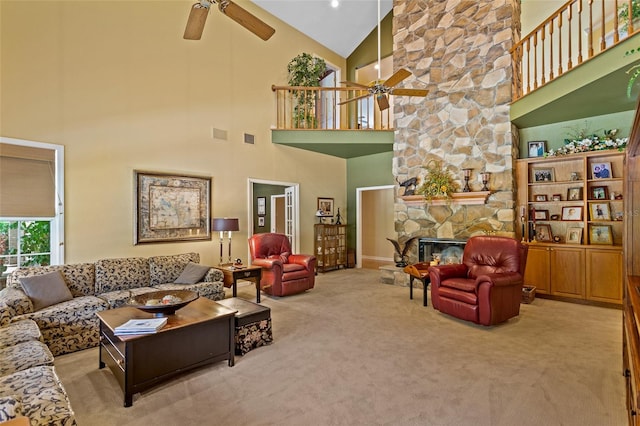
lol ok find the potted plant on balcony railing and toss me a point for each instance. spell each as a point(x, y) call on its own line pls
point(305, 70)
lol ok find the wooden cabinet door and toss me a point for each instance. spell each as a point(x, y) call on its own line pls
point(567, 272)
point(604, 275)
point(537, 271)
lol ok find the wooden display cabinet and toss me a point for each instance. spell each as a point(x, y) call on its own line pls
point(571, 215)
point(330, 246)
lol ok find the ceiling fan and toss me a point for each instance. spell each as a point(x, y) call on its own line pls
point(381, 89)
point(200, 10)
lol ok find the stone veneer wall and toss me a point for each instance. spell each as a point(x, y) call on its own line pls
point(459, 51)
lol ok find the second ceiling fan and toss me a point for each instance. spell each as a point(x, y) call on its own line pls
point(200, 10)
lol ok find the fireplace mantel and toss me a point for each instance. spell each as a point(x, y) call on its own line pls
point(460, 198)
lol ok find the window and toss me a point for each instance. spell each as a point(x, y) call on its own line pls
point(31, 222)
point(24, 243)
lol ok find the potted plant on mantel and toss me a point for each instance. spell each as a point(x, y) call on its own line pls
point(438, 182)
point(305, 70)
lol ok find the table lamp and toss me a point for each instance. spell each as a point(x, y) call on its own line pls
point(225, 224)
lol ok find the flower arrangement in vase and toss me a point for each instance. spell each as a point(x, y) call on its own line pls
point(438, 182)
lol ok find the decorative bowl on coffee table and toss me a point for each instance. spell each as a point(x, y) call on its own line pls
point(164, 302)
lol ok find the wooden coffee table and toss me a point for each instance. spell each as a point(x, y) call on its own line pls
point(198, 334)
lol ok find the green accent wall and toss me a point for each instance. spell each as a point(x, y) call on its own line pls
point(367, 51)
point(556, 133)
point(264, 190)
point(366, 171)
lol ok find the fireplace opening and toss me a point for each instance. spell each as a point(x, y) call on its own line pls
point(450, 250)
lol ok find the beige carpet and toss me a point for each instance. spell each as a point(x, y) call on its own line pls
point(353, 351)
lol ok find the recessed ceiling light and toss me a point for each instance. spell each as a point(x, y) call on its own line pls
point(335, 3)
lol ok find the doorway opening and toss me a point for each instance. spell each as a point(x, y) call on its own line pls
point(282, 213)
point(374, 224)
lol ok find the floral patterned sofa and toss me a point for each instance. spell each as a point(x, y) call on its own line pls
point(72, 325)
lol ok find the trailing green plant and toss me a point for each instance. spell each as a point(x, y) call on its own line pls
point(305, 70)
point(438, 182)
point(623, 13)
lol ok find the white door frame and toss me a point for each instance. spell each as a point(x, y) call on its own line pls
point(359, 192)
point(295, 244)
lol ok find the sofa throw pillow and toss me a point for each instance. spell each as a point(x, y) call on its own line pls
point(10, 407)
point(192, 274)
point(46, 290)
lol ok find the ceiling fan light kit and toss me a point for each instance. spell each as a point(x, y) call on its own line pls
point(200, 10)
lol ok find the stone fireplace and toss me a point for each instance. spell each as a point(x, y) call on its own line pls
point(459, 51)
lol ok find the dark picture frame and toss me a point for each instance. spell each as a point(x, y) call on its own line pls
point(171, 207)
point(599, 193)
point(600, 234)
point(325, 207)
point(541, 214)
point(261, 221)
point(543, 174)
point(556, 197)
point(543, 233)
point(541, 197)
point(601, 170)
point(574, 194)
point(572, 213)
point(537, 148)
point(599, 211)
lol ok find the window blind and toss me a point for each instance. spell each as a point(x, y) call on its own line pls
point(27, 187)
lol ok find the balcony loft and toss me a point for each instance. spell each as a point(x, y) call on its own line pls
point(588, 78)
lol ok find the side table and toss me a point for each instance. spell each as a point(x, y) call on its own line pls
point(418, 271)
point(234, 273)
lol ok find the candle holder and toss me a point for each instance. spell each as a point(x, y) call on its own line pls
point(485, 181)
point(467, 175)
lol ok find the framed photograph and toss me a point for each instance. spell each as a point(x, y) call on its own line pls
point(325, 206)
point(541, 197)
point(600, 234)
point(556, 197)
point(261, 221)
point(171, 208)
point(543, 233)
point(599, 211)
point(262, 206)
point(543, 174)
point(541, 214)
point(601, 170)
point(537, 148)
point(574, 235)
point(599, 193)
point(574, 194)
point(572, 213)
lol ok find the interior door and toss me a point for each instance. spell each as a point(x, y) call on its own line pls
point(290, 219)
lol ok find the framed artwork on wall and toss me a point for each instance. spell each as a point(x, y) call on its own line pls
point(262, 206)
point(325, 206)
point(171, 207)
point(261, 221)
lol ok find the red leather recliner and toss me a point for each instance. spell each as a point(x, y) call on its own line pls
point(487, 287)
point(283, 273)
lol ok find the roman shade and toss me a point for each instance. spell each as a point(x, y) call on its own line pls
point(27, 186)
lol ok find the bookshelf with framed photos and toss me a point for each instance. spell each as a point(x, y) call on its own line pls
point(571, 214)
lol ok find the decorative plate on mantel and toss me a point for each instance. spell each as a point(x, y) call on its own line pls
point(461, 198)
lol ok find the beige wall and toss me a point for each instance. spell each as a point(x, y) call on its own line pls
point(115, 83)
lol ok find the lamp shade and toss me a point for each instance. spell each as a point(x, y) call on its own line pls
point(224, 224)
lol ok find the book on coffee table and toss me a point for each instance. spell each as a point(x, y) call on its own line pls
point(140, 326)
